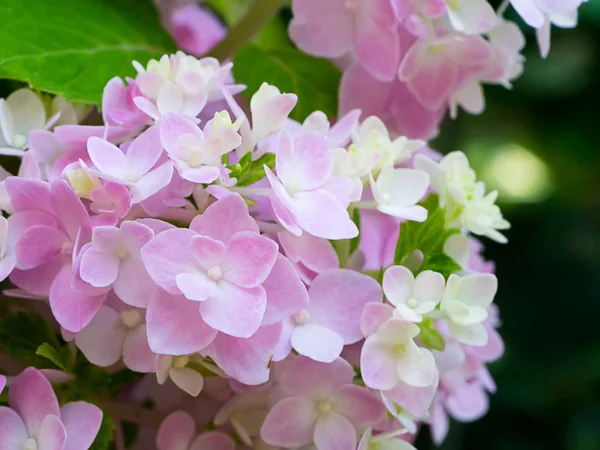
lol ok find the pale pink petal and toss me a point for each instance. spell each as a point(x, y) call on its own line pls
point(2, 383)
point(416, 400)
point(108, 158)
point(196, 286)
point(337, 300)
point(429, 287)
point(378, 364)
point(82, 421)
point(249, 259)
point(175, 326)
point(213, 440)
point(170, 99)
point(70, 211)
point(320, 214)
point(286, 294)
point(376, 39)
point(398, 284)
point(102, 340)
point(530, 12)
point(359, 404)
point(373, 316)
point(290, 423)
point(173, 127)
point(284, 344)
point(235, 311)
point(52, 434)
point(316, 254)
point(39, 280)
point(317, 342)
point(307, 378)
point(31, 397)
point(270, 114)
point(334, 432)
point(201, 175)
point(29, 195)
point(468, 403)
point(210, 252)
point(152, 182)
point(98, 268)
point(12, 430)
point(137, 355)
point(135, 294)
point(74, 311)
point(144, 151)
point(168, 255)
point(339, 134)
point(38, 245)
point(176, 432)
point(246, 360)
point(224, 218)
point(303, 161)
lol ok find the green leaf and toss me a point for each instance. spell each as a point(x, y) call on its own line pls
point(22, 334)
point(105, 434)
point(49, 352)
point(441, 263)
point(256, 170)
point(430, 336)
point(74, 48)
point(314, 80)
point(428, 236)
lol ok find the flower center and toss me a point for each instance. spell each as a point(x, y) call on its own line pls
point(214, 273)
point(413, 303)
point(131, 318)
point(80, 182)
point(301, 317)
point(324, 407)
point(121, 252)
point(179, 362)
point(400, 349)
point(30, 444)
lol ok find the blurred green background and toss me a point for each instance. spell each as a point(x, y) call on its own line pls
point(539, 145)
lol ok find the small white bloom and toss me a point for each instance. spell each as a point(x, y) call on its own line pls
point(465, 302)
point(270, 110)
point(397, 192)
point(413, 298)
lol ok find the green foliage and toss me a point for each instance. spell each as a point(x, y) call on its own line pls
point(314, 80)
point(51, 353)
point(105, 434)
point(249, 172)
point(430, 336)
point(428, 237)
point(74, 48)
point(22, 334)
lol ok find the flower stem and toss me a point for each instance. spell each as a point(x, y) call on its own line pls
point(128, 412)
point(257, 15)
point(503, 7)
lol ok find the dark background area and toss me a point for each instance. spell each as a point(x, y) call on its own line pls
point(549, 297)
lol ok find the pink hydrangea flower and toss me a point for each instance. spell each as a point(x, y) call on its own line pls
point(113, 258)
point(35, 419)
point(321, 407)
point(302, 199)
point(332, 318)
point(135, 168)
point(365, 28)
point(195, 29)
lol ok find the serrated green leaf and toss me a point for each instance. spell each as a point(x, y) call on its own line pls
point(430, 336)
point(441, 263)
point(49, 352)
point(74, 48)
point(105, 434)
point(21, 335)
point(314, 80)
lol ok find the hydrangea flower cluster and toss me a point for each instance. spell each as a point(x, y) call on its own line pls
point(241, 259)
point(410, 61)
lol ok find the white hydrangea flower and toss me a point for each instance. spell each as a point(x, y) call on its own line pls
point(466, 301)
point(463, 197)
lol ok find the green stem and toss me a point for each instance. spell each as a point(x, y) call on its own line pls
point(257, 15)
point(343, 251)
